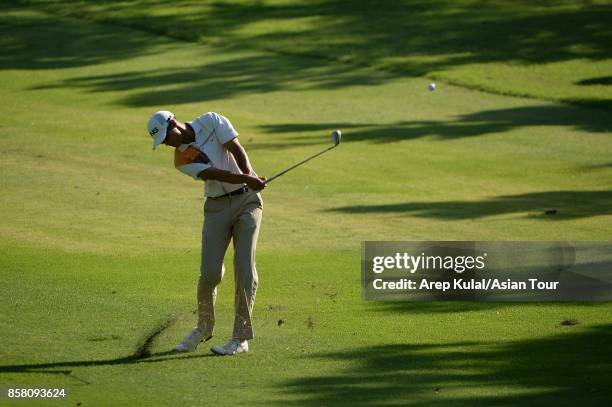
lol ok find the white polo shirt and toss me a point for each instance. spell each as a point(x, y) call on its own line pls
point(212, 130)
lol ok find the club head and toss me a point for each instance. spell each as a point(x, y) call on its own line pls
point(336, 136)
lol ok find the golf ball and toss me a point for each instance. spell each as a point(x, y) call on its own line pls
point(432, 86)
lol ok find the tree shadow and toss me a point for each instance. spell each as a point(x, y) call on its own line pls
point(550, 205)
point(572, 367)
point(404, 37)
point(438, 307)
point(36, 41)
point(236, 74)
point(367, 31)
point(601, 80)
point(495, 121)
point(454, 307)
point(599, 166)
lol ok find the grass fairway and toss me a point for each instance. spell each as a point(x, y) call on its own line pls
point(99, 237)
point(552, 49)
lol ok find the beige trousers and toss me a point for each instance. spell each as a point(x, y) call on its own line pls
point(231, 218)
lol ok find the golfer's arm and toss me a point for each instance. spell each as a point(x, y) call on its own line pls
point(240, 155)
point(223, 175)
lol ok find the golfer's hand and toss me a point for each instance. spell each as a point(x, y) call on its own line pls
point(256, 183)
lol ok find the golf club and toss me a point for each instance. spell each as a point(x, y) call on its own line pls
point(336, 135)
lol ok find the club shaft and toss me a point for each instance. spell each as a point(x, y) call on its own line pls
point(298, 164)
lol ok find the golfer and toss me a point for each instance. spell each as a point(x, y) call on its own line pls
point(207, 149)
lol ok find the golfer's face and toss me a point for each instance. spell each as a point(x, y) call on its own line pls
point(173, 135)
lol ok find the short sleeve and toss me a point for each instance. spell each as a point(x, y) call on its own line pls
point(191, 161)
point(192, 170)
point(224, 130)
point(214, 123)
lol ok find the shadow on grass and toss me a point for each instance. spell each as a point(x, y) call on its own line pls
point(457, 307)
point(407, 37)
point(52, 367)
point(450, 33)
point(468, 125)
point(602, 80)
point(598, 166)
point(36, 41)
point(571, 368)
point(565, 204)
point(440, 307)
point(235, 74)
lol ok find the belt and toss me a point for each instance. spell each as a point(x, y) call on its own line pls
point(238, 191)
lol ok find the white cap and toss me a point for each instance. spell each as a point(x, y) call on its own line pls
point(157, 126)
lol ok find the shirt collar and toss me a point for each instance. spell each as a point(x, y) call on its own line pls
point(197, 128)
